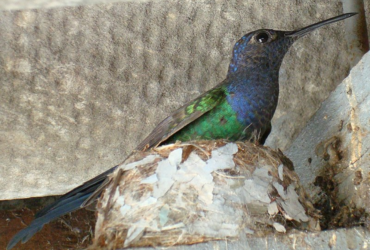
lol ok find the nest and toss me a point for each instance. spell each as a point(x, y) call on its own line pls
point(200, 191)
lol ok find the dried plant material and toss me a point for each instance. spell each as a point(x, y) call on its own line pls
point(273, 208)
point(280, 171)
point(278, 227)
point(214, 190)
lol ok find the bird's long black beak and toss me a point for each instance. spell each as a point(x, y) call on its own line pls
point(301, 32)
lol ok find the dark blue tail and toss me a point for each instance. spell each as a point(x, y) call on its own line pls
point(69, 202)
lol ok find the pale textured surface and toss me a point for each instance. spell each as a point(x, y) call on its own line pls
point(81, 86)
point(337, 137)
point(37, 4)
point(354, 239)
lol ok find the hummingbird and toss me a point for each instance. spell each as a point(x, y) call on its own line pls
point(239, 108)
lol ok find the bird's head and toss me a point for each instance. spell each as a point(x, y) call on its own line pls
point(265, 49)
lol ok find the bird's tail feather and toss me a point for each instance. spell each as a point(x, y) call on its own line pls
point(69, 202)
point(36, 225)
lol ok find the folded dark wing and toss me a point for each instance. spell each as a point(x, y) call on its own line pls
point(183, 116)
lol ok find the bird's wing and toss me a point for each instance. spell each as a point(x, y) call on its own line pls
point(172, 124)
point(84, 194)
point(183, 116)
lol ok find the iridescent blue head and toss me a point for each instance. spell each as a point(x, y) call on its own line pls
point(265, 49)
point(260, 50)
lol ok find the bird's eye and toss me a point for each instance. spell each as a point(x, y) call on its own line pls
point(263, 37)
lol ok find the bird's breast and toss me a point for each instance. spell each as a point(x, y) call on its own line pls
point(254, 106)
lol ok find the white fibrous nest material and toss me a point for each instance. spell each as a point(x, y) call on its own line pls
point(201, 191)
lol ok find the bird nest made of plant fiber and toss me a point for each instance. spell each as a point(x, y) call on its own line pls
point(187, 193)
